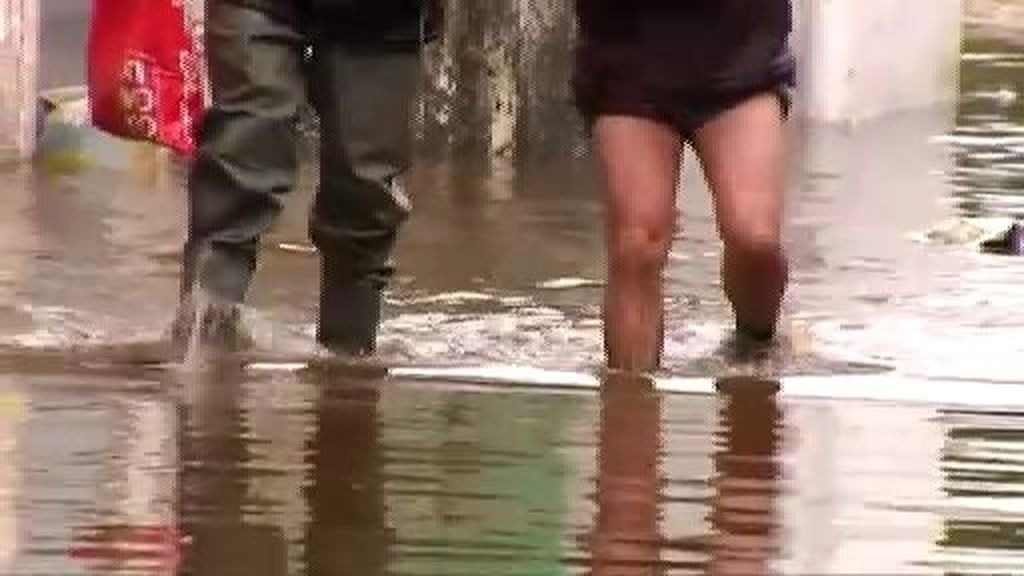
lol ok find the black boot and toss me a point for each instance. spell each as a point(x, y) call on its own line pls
point(349, 310)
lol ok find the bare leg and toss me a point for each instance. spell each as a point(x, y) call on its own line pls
point(640, 161)
point(742, 152)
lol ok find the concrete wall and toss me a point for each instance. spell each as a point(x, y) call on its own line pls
point(503, 69)
point(864, 58)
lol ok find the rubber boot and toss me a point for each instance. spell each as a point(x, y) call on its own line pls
point(203, 319)
point(349, 310)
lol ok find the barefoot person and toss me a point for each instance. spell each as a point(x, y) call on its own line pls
point(650, 75)
point(361, 78)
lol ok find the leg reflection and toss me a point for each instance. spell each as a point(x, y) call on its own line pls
point(746, 484)
point(220, 540)
point(346, 535)
point(626, 539)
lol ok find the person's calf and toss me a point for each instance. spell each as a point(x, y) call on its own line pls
point(634, 315)
point(755, 275)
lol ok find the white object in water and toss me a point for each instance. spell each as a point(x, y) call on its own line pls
point(70, 105)
point(568, 283)
point(299, 248)
point(1005, 96)
point(964, 231)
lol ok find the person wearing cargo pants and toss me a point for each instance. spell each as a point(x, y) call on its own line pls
point(360, 76)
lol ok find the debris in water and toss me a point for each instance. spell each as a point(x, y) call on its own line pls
point(1009, 243)
point(297, 248)
point(568, 284)
point(452, 298)
point(964, 231)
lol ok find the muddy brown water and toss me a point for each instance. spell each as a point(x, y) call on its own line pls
point(112, 466)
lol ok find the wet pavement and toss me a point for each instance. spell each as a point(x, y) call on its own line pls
point(107, 468)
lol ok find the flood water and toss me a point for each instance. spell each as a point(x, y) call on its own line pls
point(111, 469)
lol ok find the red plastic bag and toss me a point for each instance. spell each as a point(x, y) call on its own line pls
point(144, 73)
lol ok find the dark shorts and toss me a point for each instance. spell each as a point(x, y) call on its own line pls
point(681, 63)
point(685, 113)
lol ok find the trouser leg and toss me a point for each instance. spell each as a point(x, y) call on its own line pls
point(246, 159)
point(364, 98)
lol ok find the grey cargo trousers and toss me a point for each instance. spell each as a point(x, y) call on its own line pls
point(246, 162)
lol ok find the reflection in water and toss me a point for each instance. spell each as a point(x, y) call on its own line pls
point(215, 469)
point(745, 524)
point(135, 530)
point(346, 534)
point(744, 529)
point(324, 475)
point(626, 538)
point(989, 141)
point(232, 530)
point(983, 465)
point(480, 483)
point(11, 415)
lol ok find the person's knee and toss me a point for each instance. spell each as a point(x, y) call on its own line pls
point(362, 204)
point(755, 243)
point(360, 222)
point(641, 247)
